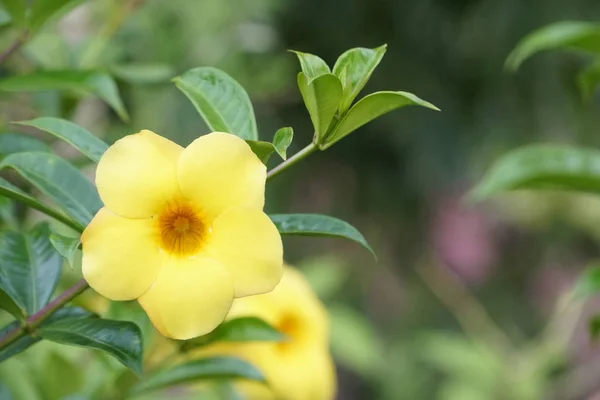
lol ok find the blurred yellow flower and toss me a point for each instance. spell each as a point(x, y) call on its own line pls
point(182, 230)
point(300, 368)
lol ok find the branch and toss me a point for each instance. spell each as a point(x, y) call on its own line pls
point(311, 148)
point(39, 317)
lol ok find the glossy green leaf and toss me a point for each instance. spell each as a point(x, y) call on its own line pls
point(565, 34)
point(222, 101)
point(76, 136)
point(370, 107)
point(26, 341)
point(120, 339)
point(318, 225)
point(17, 346)
point(65, 246)
point(594, 327)
point(282, 140)
point(9, 190)
point(263, 150)
point(247, 329)
point(60, 181)
point(30, 268)
point(88, 82)
point(143, 74)
point(313, 66)
point(321, 97)
point(198, 370)
point(19, 142)
point(8, 304)
point(542, 166)
point(588, 283)
point(354, 68)
point(589, 79)
point(243, 329)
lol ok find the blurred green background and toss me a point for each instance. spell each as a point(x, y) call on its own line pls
point(463, 303)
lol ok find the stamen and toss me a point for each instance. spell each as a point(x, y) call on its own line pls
point(182, 230)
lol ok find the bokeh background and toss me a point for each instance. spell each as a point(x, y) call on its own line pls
point(464, 302)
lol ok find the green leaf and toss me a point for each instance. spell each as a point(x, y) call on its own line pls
point(222, 101)
point(207, 368)
point(17, 346)
point(263, 150)
point(243, 329)
point(318, 225)
point(11, 191)
point(247, 329)
point(42, 10)
point(588, 80)
point(60, 181)
point(76, 136)
point(543, 166)
point(313, 66)
point(30, 268)
point(594, 327)
point(572, 35)
point(354, 68)
point(588, 283)
point(8, 304)
point(88, 82)
point(143, 74)
point(282, 140)
point(321, 97)
point(17, 10)
point(65, 246)
point(18, 142)
point(370, 107)
point(24, 342)
point(120, 339)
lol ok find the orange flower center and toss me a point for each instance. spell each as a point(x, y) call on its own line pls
point(182, 230)
point(291, 326)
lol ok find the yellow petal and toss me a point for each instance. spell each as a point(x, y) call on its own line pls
point(219, 171)
point(137, 175)
point(306, 376)
point(292, 307)
point(120, 256)
point(190, 297)
point(248, 244)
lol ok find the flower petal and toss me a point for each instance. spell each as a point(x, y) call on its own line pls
point(137, 175)
point(248, 244)
point(191, 297)
point(120, 256)
point(219, 171)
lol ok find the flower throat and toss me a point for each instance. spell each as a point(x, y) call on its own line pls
point(181, 230)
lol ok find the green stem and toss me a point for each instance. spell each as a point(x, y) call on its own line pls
point(311, 148)
point(39, 317)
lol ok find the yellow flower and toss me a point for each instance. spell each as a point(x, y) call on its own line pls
point(300, 368)
point(182, 230)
